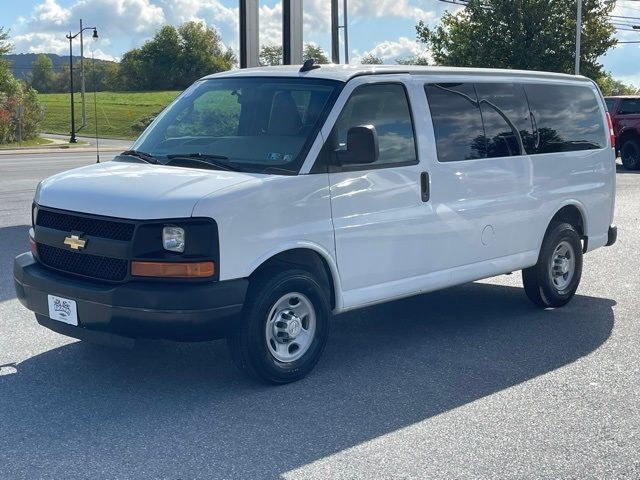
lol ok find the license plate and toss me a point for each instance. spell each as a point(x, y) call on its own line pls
point(63, 310)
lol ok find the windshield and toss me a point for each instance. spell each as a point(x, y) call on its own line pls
point(248, 124)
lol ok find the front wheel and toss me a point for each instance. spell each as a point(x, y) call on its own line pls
point(553, 281)
point(284, 327)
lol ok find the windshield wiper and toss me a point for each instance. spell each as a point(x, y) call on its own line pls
point(203, 159)
point(146, 157)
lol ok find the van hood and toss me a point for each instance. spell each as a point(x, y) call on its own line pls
point(135, 191)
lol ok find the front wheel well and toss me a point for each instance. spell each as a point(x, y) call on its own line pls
point(303, 258)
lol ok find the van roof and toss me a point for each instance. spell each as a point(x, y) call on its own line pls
point(346, 72)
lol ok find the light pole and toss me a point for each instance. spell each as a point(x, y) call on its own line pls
point(578, 35)
point(73, 114)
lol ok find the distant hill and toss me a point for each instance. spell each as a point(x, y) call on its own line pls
point(21, 63)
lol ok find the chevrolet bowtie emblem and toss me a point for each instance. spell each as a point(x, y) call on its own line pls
point(75, 242)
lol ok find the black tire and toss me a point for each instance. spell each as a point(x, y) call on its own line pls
point(248, 343)
point(539, 284)
point(630, 154)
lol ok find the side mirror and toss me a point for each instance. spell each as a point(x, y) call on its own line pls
point(362, 146)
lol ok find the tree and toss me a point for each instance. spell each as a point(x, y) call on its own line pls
point(160, 57)
point(522, 34)
point(611, 86)
point(311, 50)
point(43, 78)
point(16, 96)
point(174, 58)
point(416, 60)
point(271, 55)
point(371, 59)
point(5, 47)
point(202, 52)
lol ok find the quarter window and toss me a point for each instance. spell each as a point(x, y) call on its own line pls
point(386, 107)
point(566, 118)
point(457, 122)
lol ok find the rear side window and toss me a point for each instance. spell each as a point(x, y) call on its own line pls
point(505, 115)
point(457, 121)
point(630, 106)
point(566, 118)
point(386, 107)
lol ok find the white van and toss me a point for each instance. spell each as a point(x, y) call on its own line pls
point(262, 201)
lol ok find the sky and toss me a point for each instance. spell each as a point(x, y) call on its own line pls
point(385, 28)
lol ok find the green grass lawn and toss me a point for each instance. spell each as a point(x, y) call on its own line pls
point(117, 112)
point(34, 142)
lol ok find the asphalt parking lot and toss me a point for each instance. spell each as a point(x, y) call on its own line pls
point(471, 382)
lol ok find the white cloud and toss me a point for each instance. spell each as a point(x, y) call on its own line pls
point(212, 12)
point(120, 16)
point(50, 12)
point(48, 23)
point(392, 50)
point(41, 42)
point(363, 9)
point(98, 54)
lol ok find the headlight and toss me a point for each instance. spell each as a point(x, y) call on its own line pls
point(173, 238)
point(36, 197)
point(34, 214)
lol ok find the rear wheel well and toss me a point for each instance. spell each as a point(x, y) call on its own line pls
point(570, 214)
point(305, 259)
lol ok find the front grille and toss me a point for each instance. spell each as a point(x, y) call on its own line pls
point(103, 268)
point(89, 226)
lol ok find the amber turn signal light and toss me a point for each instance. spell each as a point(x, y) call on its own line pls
point(33, 246)
point(172, 270)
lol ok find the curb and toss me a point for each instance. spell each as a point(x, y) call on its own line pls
point(82, 149)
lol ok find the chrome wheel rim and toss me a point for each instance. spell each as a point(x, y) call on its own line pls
point(563, 265)
point(290, 327)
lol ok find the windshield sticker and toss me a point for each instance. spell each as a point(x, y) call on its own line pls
point(277, 157)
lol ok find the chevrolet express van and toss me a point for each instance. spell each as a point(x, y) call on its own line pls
point(262, 201)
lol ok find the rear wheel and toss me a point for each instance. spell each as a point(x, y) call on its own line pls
point(284, 327)
point(553, 281)
point(630, 154)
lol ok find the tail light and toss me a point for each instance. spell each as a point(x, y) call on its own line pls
point(612, 135)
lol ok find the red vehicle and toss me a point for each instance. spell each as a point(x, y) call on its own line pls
point(625, 115)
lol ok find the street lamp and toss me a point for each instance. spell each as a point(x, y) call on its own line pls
point(73, 116)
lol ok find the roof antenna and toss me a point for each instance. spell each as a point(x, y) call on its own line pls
point(309, 65)
point(95, 105)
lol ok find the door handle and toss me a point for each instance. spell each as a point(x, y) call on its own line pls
point(424, 186)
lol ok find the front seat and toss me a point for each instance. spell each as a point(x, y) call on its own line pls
point(284, 118)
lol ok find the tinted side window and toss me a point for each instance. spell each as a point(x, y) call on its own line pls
point(506, 118)
point(611, 103)
point(457, 122)
point(566, 118)
point(629, 106)
point(386, 107)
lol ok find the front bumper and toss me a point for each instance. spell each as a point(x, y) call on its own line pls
point(184, 311)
